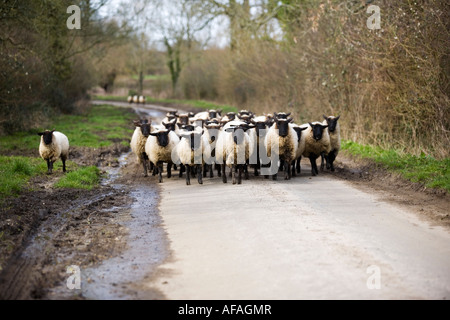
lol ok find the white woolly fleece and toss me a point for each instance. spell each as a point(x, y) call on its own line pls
point(58, 148)
point(313, 146)
point(157, 153)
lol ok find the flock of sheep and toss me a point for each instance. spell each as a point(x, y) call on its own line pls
point(198, 142)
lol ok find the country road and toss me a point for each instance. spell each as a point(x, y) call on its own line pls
point(307, 238)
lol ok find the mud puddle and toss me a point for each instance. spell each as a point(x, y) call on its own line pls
point(120, 277)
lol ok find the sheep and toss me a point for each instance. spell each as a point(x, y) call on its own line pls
point(335, 141)
point(296, 168)
point(136, 99)
point(138, 140)
point(317, 143)
point(191, 152)
point(230, 116)
point(283, 133)
point(170, 116)
point(257, 136)
point(53, 145)
point(142, 99)
point(232, 149)
point(159, 147)
point(130, 99)
point(209, 137)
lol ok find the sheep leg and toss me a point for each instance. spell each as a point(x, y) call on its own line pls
point(175, 167)
point(211, 171)
point(64, 163)
point(241, 168)
point(233, 173)
point(205, 171)
point(256, 170)
point(331, 157)
point(246, 172)
point(322, 162)
point(49, 167)
point(314, 170)
point(199, 174)
point(294, 174)
point(287, 170)
point(144, 164)
point(182, 169)
point(299, 169)
point(160, 171)
point(169, 170)
point(188, 175)
point(218, 168)
point(224, 175)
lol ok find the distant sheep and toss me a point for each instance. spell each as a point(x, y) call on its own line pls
point(142, 99)
point(54, 145)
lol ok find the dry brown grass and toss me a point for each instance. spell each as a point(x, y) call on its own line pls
point(390, 85)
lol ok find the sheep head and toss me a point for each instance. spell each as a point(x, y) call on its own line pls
point(317, 130)
point(47, 136)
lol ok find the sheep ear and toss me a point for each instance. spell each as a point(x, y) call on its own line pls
point(290, 119)
point(288, 114)
point(153, 134)
point(325, 117)
point(324, 126)
point(338, 118)
point(136, 123)
point(310, 124)
point(303, 128)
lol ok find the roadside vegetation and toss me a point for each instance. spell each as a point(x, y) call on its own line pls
point(99, 126)
point(200, 104)
point(431, 172)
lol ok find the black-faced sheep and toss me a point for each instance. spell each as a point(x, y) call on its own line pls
point(54, 145)
point(283, 134)
point(138, 141)
point(335, 140)
point(317, 143)
point(191, 152)
point(159, 147)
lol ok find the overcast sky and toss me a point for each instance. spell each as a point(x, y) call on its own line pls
point(217, 33)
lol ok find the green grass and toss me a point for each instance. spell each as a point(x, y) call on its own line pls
point(101, 126)
point(433, 173)
point(153, 77)
point(84, 178)
point(201, 104)
point(15, 173)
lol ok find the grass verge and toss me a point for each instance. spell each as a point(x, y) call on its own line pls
point(83, 178)
point(201, 104)
point(433, 173)
point(15, 173)
point(101, 126)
